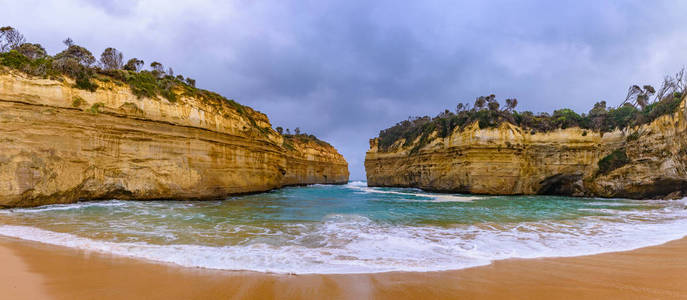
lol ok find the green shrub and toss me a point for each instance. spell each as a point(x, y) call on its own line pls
point(659, 108)
point(564, 118)
point(32, 51)
point(95, 108)
point(42, 67)
point(70, 67)
point(77, 62)
point(616, 159)
point(78, 101)
point(143, 84)
point(80, 54)
point(83, 81)
point(169, 95)
point(36, 67)
point(14, 59)
point(304, 138)
point(599, 119)
point(147, 84)
point(622, 117)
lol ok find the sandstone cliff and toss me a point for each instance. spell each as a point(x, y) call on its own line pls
point(509, 160)
point(59, 144)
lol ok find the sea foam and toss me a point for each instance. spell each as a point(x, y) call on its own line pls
point(414, 193)
point(350, 243)
point(350, 229)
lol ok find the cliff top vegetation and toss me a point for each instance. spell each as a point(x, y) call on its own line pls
point(299, 136)
point(642, 105)
point(81, 65)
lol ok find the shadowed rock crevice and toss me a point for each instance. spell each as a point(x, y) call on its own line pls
point(562, 184)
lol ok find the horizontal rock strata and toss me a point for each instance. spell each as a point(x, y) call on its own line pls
point(59, 144)
point(509, 161)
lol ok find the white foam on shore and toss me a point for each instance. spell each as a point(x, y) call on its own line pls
point(71, 206)
point(357, 183)
point(362, 186)
point(433, 197)
point(355, 244)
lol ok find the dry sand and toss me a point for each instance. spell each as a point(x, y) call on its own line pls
point(34, 271)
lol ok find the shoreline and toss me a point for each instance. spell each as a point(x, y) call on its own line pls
point(462, 192)
point(200, 199)
point(39, 270)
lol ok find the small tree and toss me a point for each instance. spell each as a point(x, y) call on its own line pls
point(78, 53)
point(133, 65)
point(158, 68)
point(280, 130)
point(598, 115)
point(68, 42)
point(639, 96)
point(511, 104)
point(111, 59)
point(10, 38)
point(32, 51)
point(643, 97)
point(493, 105)
point(75, 62)
point(672, 86)
point(445, 114)
point(170, 72)
point(297, 131)
point(461, 107)
point(480, 102)
point(69, 66)
point(191, 81)
point(288, 131)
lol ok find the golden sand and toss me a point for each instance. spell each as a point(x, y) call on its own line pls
point(16, 281)
point(35, 271)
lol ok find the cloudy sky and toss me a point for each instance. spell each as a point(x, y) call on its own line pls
point(343, 70)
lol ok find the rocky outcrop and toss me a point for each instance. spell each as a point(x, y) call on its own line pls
point(650, 161)
point(313, 160)
point(59, 144)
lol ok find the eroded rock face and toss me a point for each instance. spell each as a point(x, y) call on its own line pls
point(509, 160)
point(61, 145)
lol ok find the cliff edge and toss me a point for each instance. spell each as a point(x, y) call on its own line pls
point(61, 144)
point(645, 161)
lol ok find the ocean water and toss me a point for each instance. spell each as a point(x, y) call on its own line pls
point(351, 229)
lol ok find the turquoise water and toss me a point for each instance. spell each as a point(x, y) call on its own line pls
point(351, 229)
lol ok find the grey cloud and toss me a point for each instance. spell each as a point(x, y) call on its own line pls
point(344, 70)
point(114, 7)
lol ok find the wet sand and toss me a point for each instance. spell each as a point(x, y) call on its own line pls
point(34, 271)
point(16, 281)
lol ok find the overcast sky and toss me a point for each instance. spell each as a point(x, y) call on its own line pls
point(343, 70)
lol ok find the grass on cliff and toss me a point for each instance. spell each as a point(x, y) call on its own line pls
point(96, 108)
point(487, 112)
point(142, 83)
point(77, 101)
point(289, 139)
point(79, 64)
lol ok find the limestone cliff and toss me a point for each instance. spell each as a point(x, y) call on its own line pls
point(509, 160)
point(59, 144)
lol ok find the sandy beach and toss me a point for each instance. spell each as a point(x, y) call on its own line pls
point(38, 271)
